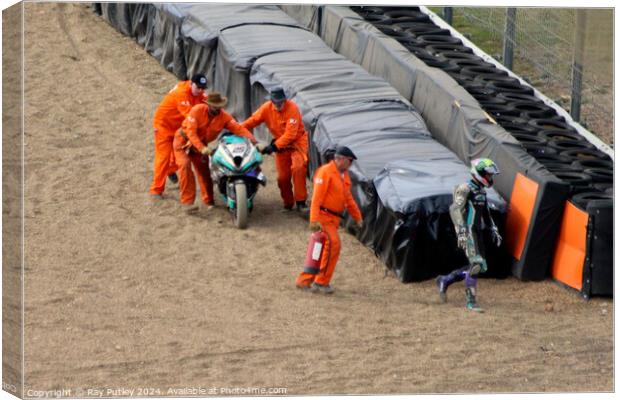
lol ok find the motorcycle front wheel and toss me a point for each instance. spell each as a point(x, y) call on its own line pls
point(240, 215)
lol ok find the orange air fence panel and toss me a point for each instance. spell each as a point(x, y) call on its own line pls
point(522, 201)
point(570, 252)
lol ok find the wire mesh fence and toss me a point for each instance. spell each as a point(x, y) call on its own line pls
point(546, 44)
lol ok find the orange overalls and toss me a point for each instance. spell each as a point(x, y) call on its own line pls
point(197, 130)
point(331, 196)
point(168, 118)
point(291, 139)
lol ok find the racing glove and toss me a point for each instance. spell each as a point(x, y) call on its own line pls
point(497, 238)
point(270, 149)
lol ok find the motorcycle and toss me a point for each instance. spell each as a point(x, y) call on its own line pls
point(235, 169)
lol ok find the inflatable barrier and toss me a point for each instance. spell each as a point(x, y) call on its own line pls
point(583, 252)
point(444, 78)
point(243, 49)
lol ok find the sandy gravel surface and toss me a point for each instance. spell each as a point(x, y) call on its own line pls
point(122, 292)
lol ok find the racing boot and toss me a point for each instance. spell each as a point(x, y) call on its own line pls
point(443, 281)
point(442, 286)
point(471, 303)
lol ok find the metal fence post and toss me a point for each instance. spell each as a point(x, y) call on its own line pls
point(580, 40)
point(447, 15)
point(509, 37)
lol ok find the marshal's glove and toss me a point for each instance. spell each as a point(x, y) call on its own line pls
point(462, 238)
point(497, 238)
point(270, 149)
point(315, 226)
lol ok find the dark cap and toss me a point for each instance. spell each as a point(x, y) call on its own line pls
point(345, 152)
point(200, 80)
point(277, 94)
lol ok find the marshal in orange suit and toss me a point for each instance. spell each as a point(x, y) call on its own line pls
point(202, 125)
point(290, 145)
point(168, 118)
point(330, 198)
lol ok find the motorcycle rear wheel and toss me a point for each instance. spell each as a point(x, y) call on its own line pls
point(240, 215)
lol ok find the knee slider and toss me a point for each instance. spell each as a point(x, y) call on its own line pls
point(478, 265)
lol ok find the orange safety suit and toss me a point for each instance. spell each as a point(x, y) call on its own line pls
point(168, 118)
point(197, 130)
point(291, 140)
point(331, 196)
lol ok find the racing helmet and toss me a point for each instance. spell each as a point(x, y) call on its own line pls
point(483, 170)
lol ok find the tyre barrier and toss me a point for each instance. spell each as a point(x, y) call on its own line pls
point(408, 20)
point(374, 18)
point(517, 128)
point(408, 41)
point(599, 175)
point(586, 154)
point(476, 85)
point(467, 63)
point(582, 199)
point(401, 8)
point(528, 138)
point(550, 124)
point(497, 78)
point(446, 66)
point(511, 87)
point(461, 79)
point(593, 163)
point(367, 10)
point(394, 32)
point(453, 55)
point(529, 109)
point(474, 88)
point(486, 73)
point(568, 144)
point(417, 29)
point(551, 195)
point(543, 114)
point(607, 188)
point(442, 48)
point(484, 100)
point(561, 134)
point(575, 179)
point(408, 16)
point(429, 40)
point(498, 110)
point(511, 119)
point(419, 52)
point(518, 97)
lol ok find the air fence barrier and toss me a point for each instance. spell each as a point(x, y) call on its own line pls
point(538, 199)
point(403, 180)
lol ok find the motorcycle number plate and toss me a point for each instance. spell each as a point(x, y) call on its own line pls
point(238, 149)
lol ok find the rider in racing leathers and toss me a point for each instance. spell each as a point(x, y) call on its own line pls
point(471, 216)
